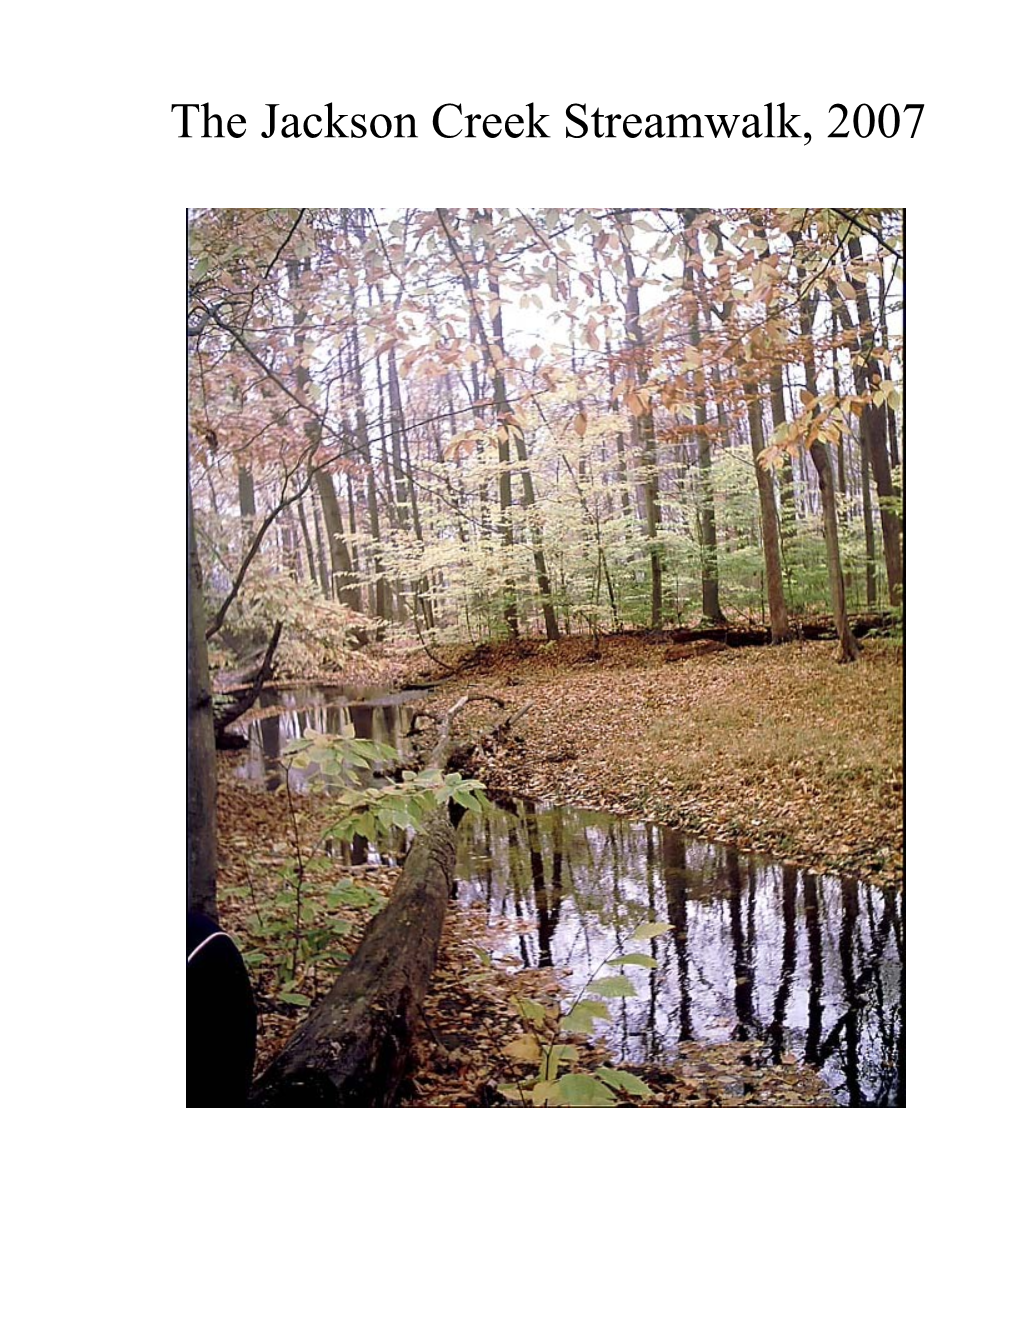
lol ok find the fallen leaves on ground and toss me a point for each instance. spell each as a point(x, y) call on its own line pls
point(778, 750)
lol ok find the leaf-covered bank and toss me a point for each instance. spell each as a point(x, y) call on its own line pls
point(771, 749)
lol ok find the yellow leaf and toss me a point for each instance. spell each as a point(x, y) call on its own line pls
point(525, 1050)
point(580, 423)
point(807, 398)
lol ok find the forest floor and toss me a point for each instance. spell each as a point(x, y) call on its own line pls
point(775, 750)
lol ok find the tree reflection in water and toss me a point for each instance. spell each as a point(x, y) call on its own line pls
point(810, 964)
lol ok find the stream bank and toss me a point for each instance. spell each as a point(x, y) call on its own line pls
point(774, 750)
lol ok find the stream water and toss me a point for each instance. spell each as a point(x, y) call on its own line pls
point(376, 713)
point(758, 950)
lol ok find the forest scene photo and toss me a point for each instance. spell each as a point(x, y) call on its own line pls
point(545, 653)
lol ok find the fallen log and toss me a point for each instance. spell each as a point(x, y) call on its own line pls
point(821, 629)
point(355, 1047)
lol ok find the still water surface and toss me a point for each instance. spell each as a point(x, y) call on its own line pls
point(759, 951)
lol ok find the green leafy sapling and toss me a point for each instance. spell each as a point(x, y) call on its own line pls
point(556, 1082)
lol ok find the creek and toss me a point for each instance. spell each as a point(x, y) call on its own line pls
point(811, 965)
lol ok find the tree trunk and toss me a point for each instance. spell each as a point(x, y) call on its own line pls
point(869, 526)
point(787, 492)
point(552, 631)
point(503, 413)
point(306, 536)
point(407, 500)
point(643, 427)
point(873, 428)
point(779, 622)
point(345, 587)
point(848, 649)
point(246, 498)
point(710, 607)
point(201, 770)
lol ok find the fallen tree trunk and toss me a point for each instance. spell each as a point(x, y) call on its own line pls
point(247, 699)
point(355, 1047)
point(806, 629)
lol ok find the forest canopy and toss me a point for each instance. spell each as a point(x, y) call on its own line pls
point(467, 424)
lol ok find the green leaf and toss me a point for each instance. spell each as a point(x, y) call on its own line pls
point(623, 1081)
point(635, 959)
point(531, 1009)
point(582, 1016)
point(583, 1091)
point(612, 987)
point(650, 930)
point(292, 997)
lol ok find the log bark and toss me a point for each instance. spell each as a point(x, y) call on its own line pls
point(354, 1049)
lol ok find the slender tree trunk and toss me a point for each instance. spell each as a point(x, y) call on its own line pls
point(710, 608)
point(552, 631)
point(778, 619)
point(873, 428)
point(306, 537)
point(407, 500)
point(320, 547)
point(614, 407)
point(201, 765)
point(869, 526)
point(841, 465)
point(890, 416)
point(352, 524)
point(346, 586)
point(378, 589)
point(503, 425)
point(848, 649)
point(643, 427)
point(246, 498)
point(787, 491)
point(383, 603)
